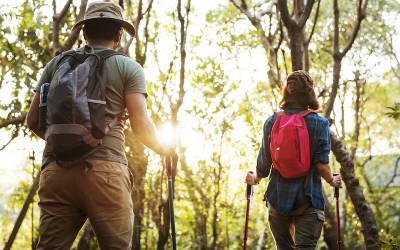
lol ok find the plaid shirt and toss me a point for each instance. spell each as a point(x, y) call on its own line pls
point(285, 195)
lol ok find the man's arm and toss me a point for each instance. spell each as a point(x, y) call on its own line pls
point(32, 117)
point(141, 124)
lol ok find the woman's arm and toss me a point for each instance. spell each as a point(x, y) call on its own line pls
point(325, 171)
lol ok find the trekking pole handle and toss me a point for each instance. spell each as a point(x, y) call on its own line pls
point(336, 188)
point(248, 190)
point(168, 163)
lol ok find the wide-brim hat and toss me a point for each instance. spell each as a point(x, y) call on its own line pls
point(103, 10)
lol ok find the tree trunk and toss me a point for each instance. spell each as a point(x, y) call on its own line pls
point(163, 230)
point(23, 212)
point(138, 165)
point(330, 225)
point(337, 65)
point(296, 48)
point(363, 209)
point(266, 41)
point(306, 58)
point(87, 237)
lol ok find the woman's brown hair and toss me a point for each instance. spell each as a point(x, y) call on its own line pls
point(299, 91)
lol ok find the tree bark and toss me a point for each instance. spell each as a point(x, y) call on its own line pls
point(363, 209)
point(73, 36)
point(337, 65)
point(137, 158)
point(137, 163)
point(296, 48)
point(16, 121)
point(23, 212)
point(163, 228)
point(339, 55)
point(330, 225)
point(266, 41)
point(295, 27)
point(308, 40)
point(200, 201)
point(87, 236)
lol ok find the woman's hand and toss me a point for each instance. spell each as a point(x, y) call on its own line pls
point(251, 178)
point(336, 181)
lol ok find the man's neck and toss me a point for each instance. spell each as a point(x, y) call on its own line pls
point(103, 43)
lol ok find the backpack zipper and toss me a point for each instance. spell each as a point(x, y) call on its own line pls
point(298, 142)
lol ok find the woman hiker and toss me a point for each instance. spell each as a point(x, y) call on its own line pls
point(295, 158)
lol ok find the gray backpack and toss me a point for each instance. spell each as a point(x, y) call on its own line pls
point(76, 104)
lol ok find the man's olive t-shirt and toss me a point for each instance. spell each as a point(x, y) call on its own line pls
point(124, 76)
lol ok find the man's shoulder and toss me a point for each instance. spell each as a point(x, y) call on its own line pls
point(51, 66)
point(124, 63)
point(127, 61)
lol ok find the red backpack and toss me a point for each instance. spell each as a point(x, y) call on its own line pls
point(290, 145)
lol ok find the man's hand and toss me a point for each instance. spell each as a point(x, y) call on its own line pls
point(252, 178)
point(164, 150)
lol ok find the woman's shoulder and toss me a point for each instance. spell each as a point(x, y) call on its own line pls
point(316, 116)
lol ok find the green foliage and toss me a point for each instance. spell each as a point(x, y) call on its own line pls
point(228, 97)
point(394, 111)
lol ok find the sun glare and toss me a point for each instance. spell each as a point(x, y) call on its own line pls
point(167, 134)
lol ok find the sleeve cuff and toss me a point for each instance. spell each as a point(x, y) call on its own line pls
point(136, 91)
point(324, 159)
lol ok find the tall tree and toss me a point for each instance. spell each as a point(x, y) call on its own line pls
point(136, 155)
point(270, 37)
point(295, 27)
point(338, 54)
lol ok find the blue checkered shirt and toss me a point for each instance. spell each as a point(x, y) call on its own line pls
point(285, 195)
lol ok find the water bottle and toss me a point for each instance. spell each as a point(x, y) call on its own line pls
point(44, 90)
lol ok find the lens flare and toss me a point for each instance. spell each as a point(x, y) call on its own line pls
point(167, 134)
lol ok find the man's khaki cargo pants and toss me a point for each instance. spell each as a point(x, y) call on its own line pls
point(95, 189)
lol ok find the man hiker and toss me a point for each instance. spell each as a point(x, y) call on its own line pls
point(294, 154)
point(97, 184)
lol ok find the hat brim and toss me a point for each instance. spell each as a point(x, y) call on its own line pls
point(128, 27)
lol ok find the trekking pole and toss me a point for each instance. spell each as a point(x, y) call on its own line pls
point(249, 193)
point(168, 162)
point(338, 233)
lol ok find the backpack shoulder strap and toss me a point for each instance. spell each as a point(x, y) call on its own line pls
point(78, 57)
point(109, 53)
